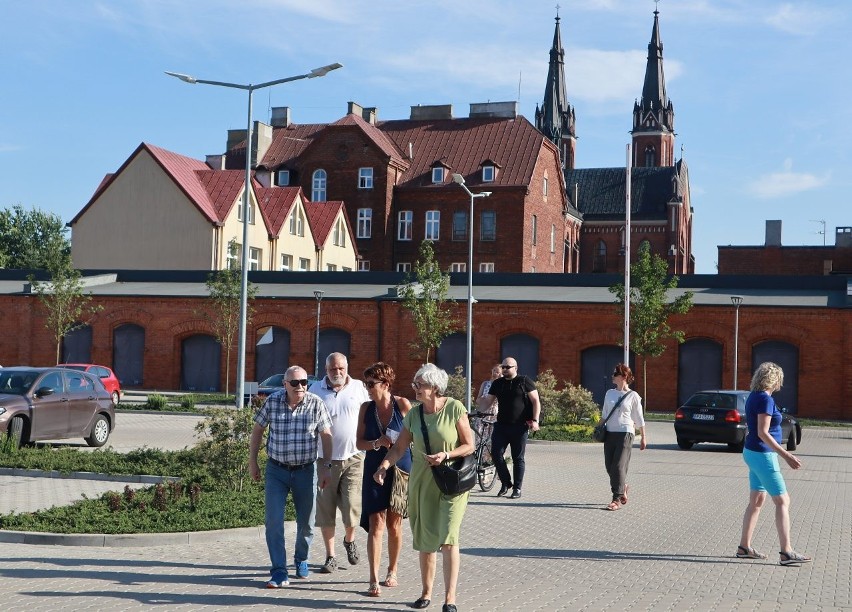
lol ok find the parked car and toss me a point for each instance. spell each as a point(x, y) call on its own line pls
point(271, 385)
point(719, 416)
point(53, 403)
point(107, 376)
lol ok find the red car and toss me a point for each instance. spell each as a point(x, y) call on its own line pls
point(107, 376)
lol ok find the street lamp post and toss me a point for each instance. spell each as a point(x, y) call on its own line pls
point(458, 178)
point(241, 343)
point(318, 295)
point(736, 300)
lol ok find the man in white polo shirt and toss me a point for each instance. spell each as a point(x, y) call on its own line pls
point(343, 397)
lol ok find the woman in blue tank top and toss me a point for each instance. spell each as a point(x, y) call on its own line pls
point(762, 448)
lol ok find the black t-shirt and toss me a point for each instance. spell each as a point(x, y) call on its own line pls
point(514, 407)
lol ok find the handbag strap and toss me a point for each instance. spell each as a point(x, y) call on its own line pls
point(617, 404)
point(425, 432)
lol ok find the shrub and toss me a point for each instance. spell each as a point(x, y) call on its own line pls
point(224, 448)
point(456, 385)
point(187, 402)
point(156, 402)
point(573, 404)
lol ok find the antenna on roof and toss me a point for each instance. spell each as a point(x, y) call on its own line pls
point(821, 221)
point(520, 74)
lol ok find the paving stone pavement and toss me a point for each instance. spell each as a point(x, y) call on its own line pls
point(670, 548)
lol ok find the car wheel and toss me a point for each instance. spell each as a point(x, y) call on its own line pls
point(100, 432)
point(684, 444)
point(17, 432)
point(736, 447)
point(115, 398)
point(791, 440)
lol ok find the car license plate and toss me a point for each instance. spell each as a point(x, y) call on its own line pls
point(702, 417)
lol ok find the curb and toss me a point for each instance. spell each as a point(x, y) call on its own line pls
point(127, 540)
point(136, 478)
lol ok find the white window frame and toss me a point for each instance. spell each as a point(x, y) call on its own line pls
point(488, 174)
point(404, 226)
point(339, 236)
point(365, 223)
point(433, 225)
point(331, 267)
point(250, 211)
point(458, 267)
point(486, 266)
point(438, 174)
point(363, 265)
point(403, 266)
point(319, 185)
point(552, 237)
point(297, 222)
point(304, 264)
point(544, 186)
point(286, 262)
point(282, 178)
point(255, 257)
point(234, 257)
point(365, 178)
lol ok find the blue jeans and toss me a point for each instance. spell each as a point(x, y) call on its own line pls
point(515, 436)
point(303, 484)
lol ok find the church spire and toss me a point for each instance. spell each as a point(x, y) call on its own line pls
point(555, 117)
point(653, 114)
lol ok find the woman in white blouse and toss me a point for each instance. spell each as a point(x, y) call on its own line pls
point(620, 431)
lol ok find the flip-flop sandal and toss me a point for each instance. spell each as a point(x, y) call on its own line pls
point(391, 580)
point(623, 498)
point(374, 590)
point(613, 505)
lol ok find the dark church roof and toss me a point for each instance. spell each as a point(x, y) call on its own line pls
point(601, 192)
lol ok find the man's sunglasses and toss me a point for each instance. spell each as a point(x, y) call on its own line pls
point(506, 367)
point(299, 382)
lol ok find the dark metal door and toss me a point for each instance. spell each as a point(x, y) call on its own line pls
point(699, 368)
point(787, 356)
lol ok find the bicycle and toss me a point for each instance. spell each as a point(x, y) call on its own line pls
point(486, 472)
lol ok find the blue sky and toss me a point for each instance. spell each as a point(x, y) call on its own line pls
point(761, 88)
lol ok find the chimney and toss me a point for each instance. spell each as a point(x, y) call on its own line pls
point(773, 233)
point(432, 112)
point(280, 116)
point(216, 162)
point(369, 114)
point(502, 110)
point(353, 108)
point(843, 237)
point(235, 137)
point(261, 140)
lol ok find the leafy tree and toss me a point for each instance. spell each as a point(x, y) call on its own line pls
point(649, 310)
point(224, 287)
point(425, 296)
point(68, 308)
point(33, 240)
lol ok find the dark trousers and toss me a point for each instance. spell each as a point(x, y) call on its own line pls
point(617, 448)
point(514, 435)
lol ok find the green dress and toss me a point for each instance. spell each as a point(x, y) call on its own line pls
point(435, 518)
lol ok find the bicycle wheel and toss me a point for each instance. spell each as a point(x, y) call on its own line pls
point(485, 471)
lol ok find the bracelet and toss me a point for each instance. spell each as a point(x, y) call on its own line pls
point(375, 446)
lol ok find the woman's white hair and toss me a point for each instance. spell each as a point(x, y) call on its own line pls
point(433, 376)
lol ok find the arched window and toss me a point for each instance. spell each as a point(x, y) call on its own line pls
point(272, 352)
point(699, 367)
point(596, 363)
point(452, 353)
point(599, 262)
point(332, 340)
point(320, 184)
point(650, 156)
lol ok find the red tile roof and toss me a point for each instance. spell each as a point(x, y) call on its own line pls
point(288, 143)
point(321, 216)
point(381, 140)
point(223, 188)
point(275, 205)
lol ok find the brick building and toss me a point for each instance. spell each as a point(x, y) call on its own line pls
point(154, 332)
point(774, 258)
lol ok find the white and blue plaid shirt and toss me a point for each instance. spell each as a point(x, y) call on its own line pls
point(293, 434)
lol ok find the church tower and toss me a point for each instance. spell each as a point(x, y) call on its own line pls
point(653, 115)
point(555, 117)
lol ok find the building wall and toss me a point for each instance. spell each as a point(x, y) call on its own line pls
point(781, 260)
point(298, 247)
point(143, 221)
point(232, 229)
point(380, 330)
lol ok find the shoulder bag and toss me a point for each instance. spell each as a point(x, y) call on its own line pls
point(452, 477)
point(398, 502)
point(599, 432)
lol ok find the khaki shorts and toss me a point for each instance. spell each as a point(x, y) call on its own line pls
point(343, 491)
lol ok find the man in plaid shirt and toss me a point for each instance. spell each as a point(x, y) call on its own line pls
point(298, 421)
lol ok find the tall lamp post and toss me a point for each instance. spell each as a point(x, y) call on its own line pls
point(318, 295)
point(241, 348)
point(458, 178)
point(736, 300)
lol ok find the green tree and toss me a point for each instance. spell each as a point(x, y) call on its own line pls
point(649, 308)
point(224, 287)
point(425, 296)
point(33, 240)
point(68, 307)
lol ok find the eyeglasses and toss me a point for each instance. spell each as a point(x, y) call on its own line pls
point(506, 367)
point(616, 373)
point(418, 385)
point(372, 383)
point(299, 382)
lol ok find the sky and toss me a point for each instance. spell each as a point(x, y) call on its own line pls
point(762, 89)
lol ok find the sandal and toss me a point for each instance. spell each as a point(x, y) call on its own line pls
point(622, 499)
point(613, 505)
point(391, 580)
point(747, 552)
point(374, 590)
point(793, 558)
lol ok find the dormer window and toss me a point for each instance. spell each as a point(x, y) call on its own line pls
point(488, 174)
point(282, 178)
point(438, 174)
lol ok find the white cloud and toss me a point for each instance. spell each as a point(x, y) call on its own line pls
point(9, 148)
point(799, 20)
point(786, 182)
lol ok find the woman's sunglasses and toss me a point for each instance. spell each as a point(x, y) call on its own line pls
point(372, 383)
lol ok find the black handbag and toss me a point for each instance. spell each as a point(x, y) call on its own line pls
point(452, 477)
point(599, 432)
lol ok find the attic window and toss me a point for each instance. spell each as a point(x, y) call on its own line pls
point(438, 174)
point(282, 178)
point(488, 174)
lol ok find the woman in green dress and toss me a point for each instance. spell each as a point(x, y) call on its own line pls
point(435, 518)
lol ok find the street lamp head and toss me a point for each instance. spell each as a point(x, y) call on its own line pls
point(183, 77)
point(318, 294)
point(323, 70)
point(458, 178)
point(484, 194)
point(736, 300)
